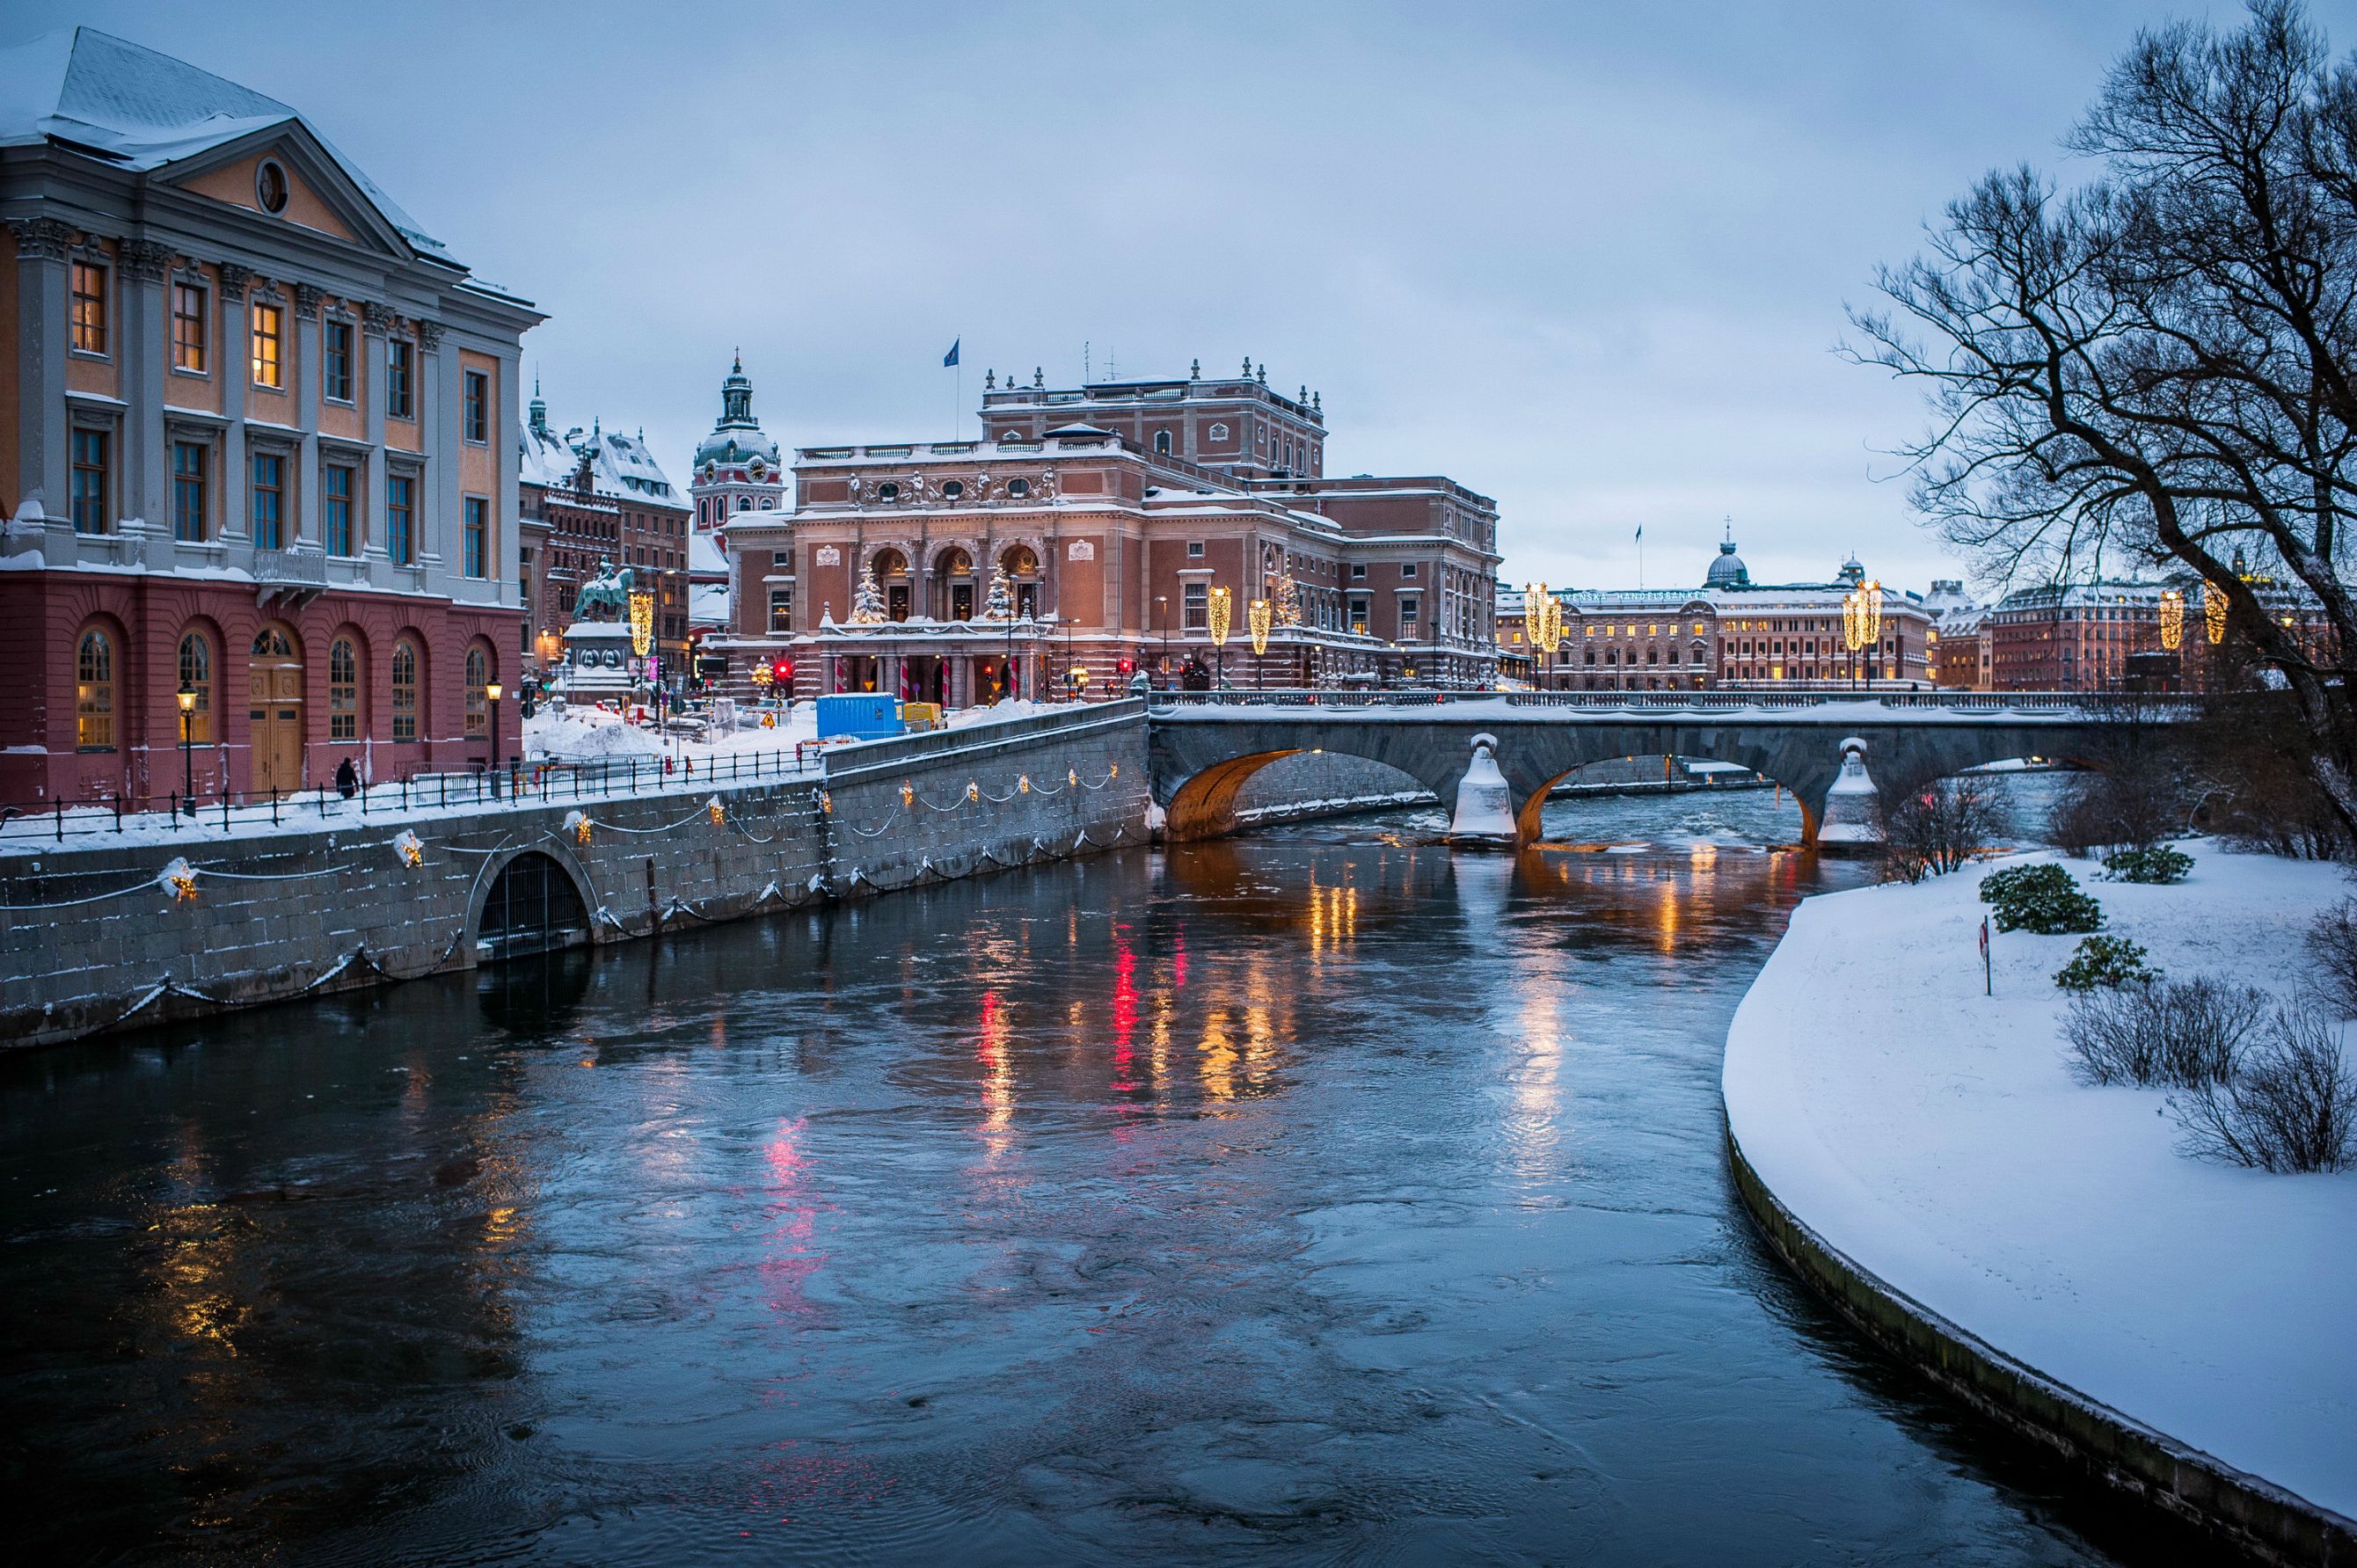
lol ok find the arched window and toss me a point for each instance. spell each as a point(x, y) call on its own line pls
point(95, 692)
point(1018, 489)
point(197, 677)
point(888, 491)
point(479, 677)
point(744, 503)
point(404, 690)
point(890, 563)
point(1018, 561)
point(343, 689)
point(1162, 443)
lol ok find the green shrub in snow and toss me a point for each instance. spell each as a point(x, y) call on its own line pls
point(2158, 865)
point(2042, 899)
point(2111, 962)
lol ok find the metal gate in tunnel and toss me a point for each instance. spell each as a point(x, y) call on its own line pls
point(533, 908)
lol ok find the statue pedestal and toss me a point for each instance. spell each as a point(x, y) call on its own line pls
point(1485, 805)
point(598, 665)
point(1848, 825)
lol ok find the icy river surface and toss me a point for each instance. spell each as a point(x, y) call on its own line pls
point(1317, 1196)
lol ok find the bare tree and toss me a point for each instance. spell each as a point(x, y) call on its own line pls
point(2160, 364)
point(1932, 826)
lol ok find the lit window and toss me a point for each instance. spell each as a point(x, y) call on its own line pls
point(89, 308)
point(782, 609)
point(95, 692)
point(1162, 443)
point(479, 675)
point(267, 371)
point(197, 677)
point(188, 328)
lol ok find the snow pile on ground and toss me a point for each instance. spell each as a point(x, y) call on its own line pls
point(1935, 1136)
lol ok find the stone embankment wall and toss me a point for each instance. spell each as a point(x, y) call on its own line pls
point(96, 937)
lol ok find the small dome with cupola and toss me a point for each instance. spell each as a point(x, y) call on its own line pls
point(1728, 571)
point(737, 441)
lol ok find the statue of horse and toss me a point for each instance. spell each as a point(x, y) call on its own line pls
point(608, 589)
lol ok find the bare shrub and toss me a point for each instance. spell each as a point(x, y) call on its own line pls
point(2132, 804)
point(2332, 943)
point(2259, 788)
point(2181, 1033)
point(1933, 826)
point(2291, 1105)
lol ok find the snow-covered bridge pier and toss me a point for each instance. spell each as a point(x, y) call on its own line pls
point(1203, 745)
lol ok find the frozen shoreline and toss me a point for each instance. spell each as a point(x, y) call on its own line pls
point(1934, 1136)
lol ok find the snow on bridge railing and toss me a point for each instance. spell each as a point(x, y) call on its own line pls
point(2098, 703)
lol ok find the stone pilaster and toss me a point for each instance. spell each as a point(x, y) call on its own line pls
point(233, 362)
point(307, 369)
point(437, 486)
point(41, 424)
point(146, 328)
point(376, 325)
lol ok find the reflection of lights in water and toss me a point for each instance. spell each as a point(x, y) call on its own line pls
point(1537, 1091)
point(1218, 1056)
point(1666, 914)
point(1704, 857)
point(1124, 1008)
point(999, 1077)
point(793, 1220)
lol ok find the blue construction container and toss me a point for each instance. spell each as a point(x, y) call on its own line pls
point(858, 715)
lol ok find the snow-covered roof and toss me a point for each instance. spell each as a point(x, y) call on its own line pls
point(140, 110)
point(620, 467)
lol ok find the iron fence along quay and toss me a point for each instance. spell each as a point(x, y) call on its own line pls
point(1719, 699)
point(520, 782)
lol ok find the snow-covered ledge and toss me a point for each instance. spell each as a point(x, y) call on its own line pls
point(2044, 1249)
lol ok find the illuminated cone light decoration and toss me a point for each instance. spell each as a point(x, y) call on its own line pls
point(1222, 613)
point(1543, 618)
point(1257, 615)
point(1862, 616)
point(2213, 612)
point(2172, 620)
point(643, 622)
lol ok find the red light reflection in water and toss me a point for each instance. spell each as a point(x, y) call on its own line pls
point(1179, 956)
point(998, 1078)
point(793, 1222)
point(1124, 1009)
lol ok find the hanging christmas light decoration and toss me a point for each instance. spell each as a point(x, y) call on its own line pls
point(408, 848)
point(577, 824)
point(908, 794)
point(972, 791)
point(643, 622)
point(1023, 783)
point(2213, 612)
point(1256, 616)
point(178, 878)
point(763, 675)
point(1222, 610)
point(717, 811)
point(2172, 620)
point(826, 802)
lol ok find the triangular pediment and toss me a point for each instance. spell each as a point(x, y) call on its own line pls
point(309, 184)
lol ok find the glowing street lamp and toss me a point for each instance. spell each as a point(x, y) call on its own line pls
point(187, 697)
point(491, 692)
point(1221, 611)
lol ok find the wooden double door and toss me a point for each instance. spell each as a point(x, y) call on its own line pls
point(275, 710)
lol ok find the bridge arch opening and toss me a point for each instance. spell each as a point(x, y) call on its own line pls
point(1675, 772)
point(532, 906)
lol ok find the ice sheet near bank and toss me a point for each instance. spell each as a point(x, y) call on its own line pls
point(1935, 1136)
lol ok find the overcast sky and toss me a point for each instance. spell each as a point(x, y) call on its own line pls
point(1588, 260)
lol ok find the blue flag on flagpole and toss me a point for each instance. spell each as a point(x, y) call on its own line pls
point(1640, 527)
point(951, 358)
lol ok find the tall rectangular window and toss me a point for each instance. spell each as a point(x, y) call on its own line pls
point(399, 400)
point(189, 512)
point(1196, 607)
point(479, 406)
point(269, 501)
point(188, 328)
point(782, 609)
point(478, 529)
point(399, 516)
point(268, 370)
point(89, 308)
point(336, 367)
point(1408, 611)
point(336, 509)
point(90, 471)
point(1358, 613)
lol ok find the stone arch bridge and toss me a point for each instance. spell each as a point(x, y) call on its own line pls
point(1204, 746)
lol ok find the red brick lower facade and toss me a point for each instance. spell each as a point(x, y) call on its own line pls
point(281, 704)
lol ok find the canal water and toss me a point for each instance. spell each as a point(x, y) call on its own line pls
point(1319, 1196)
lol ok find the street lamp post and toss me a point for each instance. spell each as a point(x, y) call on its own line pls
point(492, 694)
point(1162, 607)
point(187, 697)
point(1222, 610)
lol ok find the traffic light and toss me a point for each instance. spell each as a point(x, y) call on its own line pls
point(1125, 666)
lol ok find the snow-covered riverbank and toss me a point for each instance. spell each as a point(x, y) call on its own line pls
point(1934, 1135)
